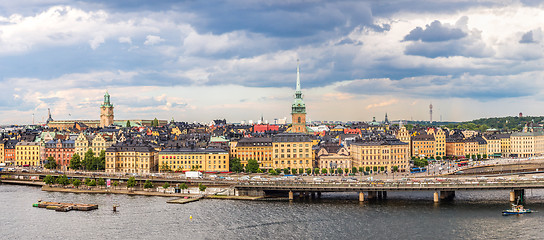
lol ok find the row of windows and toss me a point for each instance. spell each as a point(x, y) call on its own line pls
point(294, 155)
point(289, 145)
point(294, 162)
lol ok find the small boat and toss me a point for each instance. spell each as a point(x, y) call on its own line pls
point(516, 210)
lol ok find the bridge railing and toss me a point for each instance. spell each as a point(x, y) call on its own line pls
point(430, 185)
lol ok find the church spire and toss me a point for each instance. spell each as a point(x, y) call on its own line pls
point(298, 76)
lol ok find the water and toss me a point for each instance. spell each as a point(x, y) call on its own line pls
point(473, 215)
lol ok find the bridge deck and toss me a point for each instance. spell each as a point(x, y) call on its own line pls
point(355, 187)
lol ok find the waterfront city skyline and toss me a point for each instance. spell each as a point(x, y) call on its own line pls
point(198, 61)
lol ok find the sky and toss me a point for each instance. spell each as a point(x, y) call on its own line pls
point(237, 59)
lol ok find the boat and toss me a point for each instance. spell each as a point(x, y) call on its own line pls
point(516, 210)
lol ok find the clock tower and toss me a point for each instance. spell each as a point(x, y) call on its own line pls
point(106, 112)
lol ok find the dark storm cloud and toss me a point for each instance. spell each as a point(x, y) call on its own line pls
point(435, 32)
point(527, 38)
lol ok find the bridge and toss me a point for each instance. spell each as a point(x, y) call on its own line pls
point(442, 190)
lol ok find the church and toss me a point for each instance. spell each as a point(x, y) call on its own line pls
point(106, 119)
point(298, 110)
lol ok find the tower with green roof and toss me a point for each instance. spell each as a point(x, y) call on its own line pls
point(298, 109)
point(106, 112)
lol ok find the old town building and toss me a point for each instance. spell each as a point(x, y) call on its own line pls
point(292, 150)
point(377, 154)
point(333, 156)
point(27, 154)
point(61, 151)
point(191, 159)
point(131, 158)
point(257, 148)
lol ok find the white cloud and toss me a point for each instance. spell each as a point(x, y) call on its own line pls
point(125, 40)
point(152, 40)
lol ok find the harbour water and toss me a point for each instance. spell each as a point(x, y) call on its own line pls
point(473, 215)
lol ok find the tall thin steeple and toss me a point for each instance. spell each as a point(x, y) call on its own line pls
point(298, 108)
point(49, 119)
point(298, 91)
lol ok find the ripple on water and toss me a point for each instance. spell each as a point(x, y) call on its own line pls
point(473, 215)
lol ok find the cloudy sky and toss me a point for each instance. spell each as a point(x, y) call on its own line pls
point(203, 60)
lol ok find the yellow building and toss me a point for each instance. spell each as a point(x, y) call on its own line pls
point(471, 147)
point(439, 141)
point(27, 153)
point(505, 144)
point(377, 154)
point(256, 148)
point(2, 160)
point(527, 144)
point(95, 142)
point(131, 158)
point(292, 150)
point(186, 159)
point(423, 145)
point(493, 146)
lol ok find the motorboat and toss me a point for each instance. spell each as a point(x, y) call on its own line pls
point(516, 210)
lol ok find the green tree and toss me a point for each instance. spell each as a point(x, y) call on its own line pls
point(485, 156)
point(48, 179)
point(438, 158)
point(340, 171)
point(308, 171)
point(155, 123)
point(148, 184)
point(89, 159)
point(273, 172)
point(374, 169)
point(474, 156)
point(382, 169)
point(128, 124)
point(259, 170)
point(131, 182)
point(165, 167)
point(75, 162)
point(76, 183)
point(300, 170)
point(395, 168)
point(346, 170)
point(101, 182)
point(278, 170)
point(63, 180)
point(50, 163)
point(92, 183)
point(252, 166)
point(183, 186)
point(293, 171)
point(467, 156)
point(316, 171)
point(115, 184)
point(201, 187)
point(409, 127)
point(166, 185)
point(87, 181)
point(367, 169)
point(101, 165)
point(286, 171)
point(324, 171)
point(235, 165)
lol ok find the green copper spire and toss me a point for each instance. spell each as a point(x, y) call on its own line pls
point(298, 105)
point(107, 100)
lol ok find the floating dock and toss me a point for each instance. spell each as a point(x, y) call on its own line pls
point(65, 207)
point(184, 200)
